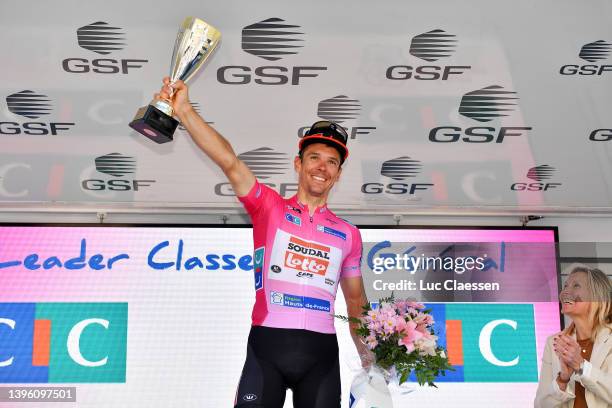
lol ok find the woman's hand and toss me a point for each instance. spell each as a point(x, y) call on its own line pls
point(568, 351)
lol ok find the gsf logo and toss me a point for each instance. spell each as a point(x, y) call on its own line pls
point(430, 46)
point(400, 169)
point(271, 40)
point(339, 109)
point(103, 39)
point(601, 135)
point(117, 165)
point(31, 105)
point(539, 174)
point(591, 52)
point(482, 105)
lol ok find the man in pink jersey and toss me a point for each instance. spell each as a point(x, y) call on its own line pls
point(302, 252)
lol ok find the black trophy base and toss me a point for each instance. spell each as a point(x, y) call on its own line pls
point(154, 124)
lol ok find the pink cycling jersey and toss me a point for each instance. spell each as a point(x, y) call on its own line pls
point(298, 260)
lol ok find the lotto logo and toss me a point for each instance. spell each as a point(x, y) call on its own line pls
point(63, 342)
point(307, 256)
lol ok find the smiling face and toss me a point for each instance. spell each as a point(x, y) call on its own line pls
point(576, 297)
point(318, 169)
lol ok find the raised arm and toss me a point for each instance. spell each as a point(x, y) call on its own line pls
point(208, 139)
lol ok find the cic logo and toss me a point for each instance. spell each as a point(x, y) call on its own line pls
point(341, 109)
point(265, 163)
point(121, 168)
point(402, 170)
point(271, 40)
point(429, 47)
point(31, 105)
point(102, 39)
point(63, 342)
point(593, 53)
point(487, 342)
point(539, 174)
point(482, 105)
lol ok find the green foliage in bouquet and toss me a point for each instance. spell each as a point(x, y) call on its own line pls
point(400, 334)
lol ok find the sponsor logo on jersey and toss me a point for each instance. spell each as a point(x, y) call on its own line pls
point(300, 302)
point(250, 397)
point(258, 261)
point(307, 256)
point(293, 219)
point(331, 231)
point(292, 208)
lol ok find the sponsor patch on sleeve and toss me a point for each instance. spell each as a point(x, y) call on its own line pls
point(258, 261)
point(331, 231)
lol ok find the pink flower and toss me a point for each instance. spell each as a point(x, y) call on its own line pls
point(371, 342)
point(424, 319)
point(411, 335)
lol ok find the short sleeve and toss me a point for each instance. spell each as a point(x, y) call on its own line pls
point(260, 196)
point(351, 267)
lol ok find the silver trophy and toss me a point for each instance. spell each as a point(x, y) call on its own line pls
point(195, 41)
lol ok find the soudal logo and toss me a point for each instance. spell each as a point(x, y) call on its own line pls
point(31, 105)
point(482, 105)
point(401, 169)
point(265, 163)
point(539, 174)
point(591, 52)
point(307, 257)
point(601, 135)
point(431, 47)
point(119, 167)
point(272, 39)
point(340, 109)
point(103, 39)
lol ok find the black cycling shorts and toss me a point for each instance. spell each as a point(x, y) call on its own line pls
point(304, 361)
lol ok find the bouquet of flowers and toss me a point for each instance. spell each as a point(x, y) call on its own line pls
point(400, 334)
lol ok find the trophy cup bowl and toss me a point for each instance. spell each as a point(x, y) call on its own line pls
point(194, 43)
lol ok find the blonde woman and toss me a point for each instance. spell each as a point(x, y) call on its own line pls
point(577, 362)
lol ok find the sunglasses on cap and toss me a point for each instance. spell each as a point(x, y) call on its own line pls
point(329, 129)
point(327, 132)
